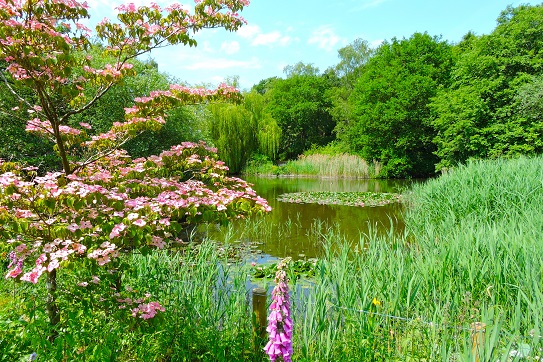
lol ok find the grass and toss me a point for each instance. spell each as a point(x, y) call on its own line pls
point(322, 165)
point(207, 315)
point(471, 253)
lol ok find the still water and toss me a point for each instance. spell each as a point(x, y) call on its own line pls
point(295, 229)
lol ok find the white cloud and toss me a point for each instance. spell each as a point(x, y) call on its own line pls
point(325, 38)
point(272, 38)
point(230, 47)
point(254, 34)
point(206, 47)
point(209, 64)
point(248, 31)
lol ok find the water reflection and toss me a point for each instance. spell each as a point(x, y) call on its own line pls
point(293, 229)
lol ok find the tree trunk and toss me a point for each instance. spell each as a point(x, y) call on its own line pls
point(52, 308)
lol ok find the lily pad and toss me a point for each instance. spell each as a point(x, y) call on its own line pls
point(360, 199)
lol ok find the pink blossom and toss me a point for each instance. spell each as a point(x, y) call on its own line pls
point(85, 224)
point(73, 227)
point(158, 242)
point(280, 322)
point(133, 216)
point(14, 272)
point(139, 222)
point(116, 231)
point(147, 310)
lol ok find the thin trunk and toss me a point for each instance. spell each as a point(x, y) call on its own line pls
point(52, 307)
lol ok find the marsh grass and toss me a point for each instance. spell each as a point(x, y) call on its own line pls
point(472, 252)
point(322, 165)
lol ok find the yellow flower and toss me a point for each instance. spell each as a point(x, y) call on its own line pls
point(376, 302)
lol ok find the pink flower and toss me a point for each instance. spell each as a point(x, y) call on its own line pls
point(85, 225)
point(139, 222)
point(157, 241)
point(280, 322)
point(116, 231)
point(73, 227)
point(147, 310)
point(14, 272)
point(132, 216)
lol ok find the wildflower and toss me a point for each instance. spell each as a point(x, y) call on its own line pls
point(280, 322)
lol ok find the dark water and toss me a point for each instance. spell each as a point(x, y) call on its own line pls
point(294, 229)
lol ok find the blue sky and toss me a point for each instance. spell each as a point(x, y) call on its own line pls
point(281, 32)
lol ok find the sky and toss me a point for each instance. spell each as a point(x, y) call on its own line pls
point(285, 32)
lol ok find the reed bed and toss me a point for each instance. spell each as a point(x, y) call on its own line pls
point(321, 165)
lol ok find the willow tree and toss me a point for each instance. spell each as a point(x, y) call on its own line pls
point(239, 131)
point(233, 130)
point(269, 132)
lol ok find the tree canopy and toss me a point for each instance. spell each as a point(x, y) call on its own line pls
point(300, 107)
point(488, 111)
point(392, 122)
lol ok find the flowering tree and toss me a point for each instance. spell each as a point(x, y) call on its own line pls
point(103, 204)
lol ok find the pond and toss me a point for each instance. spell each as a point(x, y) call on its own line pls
point(293, 229)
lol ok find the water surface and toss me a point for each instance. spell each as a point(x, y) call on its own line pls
point(293, 229)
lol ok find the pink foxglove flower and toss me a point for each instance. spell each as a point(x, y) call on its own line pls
point(280, 322)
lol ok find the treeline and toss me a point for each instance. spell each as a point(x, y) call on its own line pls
point(415, 106)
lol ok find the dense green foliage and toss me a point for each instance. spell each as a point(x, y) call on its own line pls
point(17, 144)
point(419, 104)
point(299, 106)
point(415, 105)
point(491, 108)
point(345, 74)
point(392, 120)
point(239, 131)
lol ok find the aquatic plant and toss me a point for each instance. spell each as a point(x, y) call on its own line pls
point(341, 198)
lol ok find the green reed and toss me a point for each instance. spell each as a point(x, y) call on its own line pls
point(323, 165)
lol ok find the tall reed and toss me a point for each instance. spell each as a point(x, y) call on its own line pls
point(322, 165)
point(471, 252)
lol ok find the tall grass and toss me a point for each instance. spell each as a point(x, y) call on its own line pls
point(206, 318)
point(472, 252)
point(322, 165)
